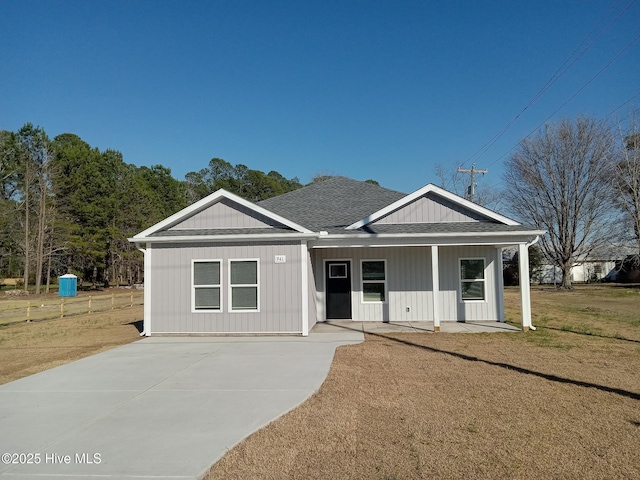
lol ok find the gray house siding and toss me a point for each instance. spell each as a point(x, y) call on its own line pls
point(431, 208)
point(453, 308)
point(225, 214)
point(280, 300)
point(409, 284)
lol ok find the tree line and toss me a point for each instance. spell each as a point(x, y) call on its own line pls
point(67, 207)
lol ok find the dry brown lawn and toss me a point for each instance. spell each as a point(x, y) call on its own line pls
point(560, 402)
point(28, 348)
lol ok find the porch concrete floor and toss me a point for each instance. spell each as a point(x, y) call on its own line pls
point(412, 327)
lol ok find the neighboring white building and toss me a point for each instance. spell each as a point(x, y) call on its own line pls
point(599, 265)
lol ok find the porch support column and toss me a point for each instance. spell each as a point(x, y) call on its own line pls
point(435, 282)
point(500, 283)
point(304, 272)
point(525, 292)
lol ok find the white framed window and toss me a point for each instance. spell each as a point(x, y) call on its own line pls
point(374, 281)
point(472, 279)
point(244, 289)
point(338, 270)
point(205, 285)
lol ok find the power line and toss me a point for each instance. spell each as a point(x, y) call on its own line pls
point(585, 85)
point(556, 76)
point(589, 81)
point(626, 102)
point(535, 129)
point(560, 72)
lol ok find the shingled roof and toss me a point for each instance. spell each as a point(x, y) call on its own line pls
point(332, 203)
point(339, 206)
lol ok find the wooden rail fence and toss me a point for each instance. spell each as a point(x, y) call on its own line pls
point(33, 310)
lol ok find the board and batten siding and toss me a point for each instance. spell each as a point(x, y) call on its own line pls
point(451, 305)
point(431, 208)
point(225, 214)
point(409, 284)
point(280, 299)
point(408, 278)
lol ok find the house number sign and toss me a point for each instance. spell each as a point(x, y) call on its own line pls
point(281, 259)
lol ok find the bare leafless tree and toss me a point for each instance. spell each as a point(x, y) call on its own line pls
point(45, 213)
point(35, 159)
point(559, 181)
point(626, 180)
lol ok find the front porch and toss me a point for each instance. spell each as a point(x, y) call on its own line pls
point(334, 326)
point(415, 287)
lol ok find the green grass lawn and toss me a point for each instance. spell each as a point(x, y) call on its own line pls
point(608, 310)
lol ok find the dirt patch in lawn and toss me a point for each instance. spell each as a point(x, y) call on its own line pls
point(28, 348)
point(545, 404)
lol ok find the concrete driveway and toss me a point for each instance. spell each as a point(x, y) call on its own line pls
point(162, 408)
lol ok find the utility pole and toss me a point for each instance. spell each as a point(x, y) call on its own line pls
point(473, 171)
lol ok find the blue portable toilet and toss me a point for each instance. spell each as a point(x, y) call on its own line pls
point(68, 285)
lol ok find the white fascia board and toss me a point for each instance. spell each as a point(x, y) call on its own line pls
point(521, 233)
point(443, 193)
point(416, 239)
point(210, 200)
point(238, 238)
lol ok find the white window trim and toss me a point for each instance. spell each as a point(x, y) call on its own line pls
point(362, 282)
point(345, 270)
point(193, 287)
point(474, 300)
point(257, 285)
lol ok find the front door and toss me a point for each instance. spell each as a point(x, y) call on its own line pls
point(338, 279)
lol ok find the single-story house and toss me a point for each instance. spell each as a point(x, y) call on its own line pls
point(601, 264)
point(336, 249)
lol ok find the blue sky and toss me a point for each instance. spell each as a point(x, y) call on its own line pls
point(366, 89)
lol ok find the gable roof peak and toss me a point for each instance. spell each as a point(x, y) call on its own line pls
point(430, 187)
point(210, 200)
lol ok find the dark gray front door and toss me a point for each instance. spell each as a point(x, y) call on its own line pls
point(338, 276)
